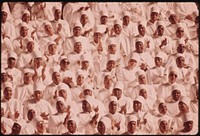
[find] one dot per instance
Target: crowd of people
(99, 68)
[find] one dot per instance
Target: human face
(62, 93)
(11, 62)
(40, 127)
(112, 49)
(126, 20)
(77, 31)
(117, 92)
(172, 77)
(86, 106)
(163, 126)
(4, 16)
(80, 80)
(48, 29)
(183, 107)
(84, 19)
(78, 47)
(158, 61)
(154, 17)
(87, 92)
(4, 77)
(173, 19)
(16, 128)
(117, 29)
(23, 31)
(101, 127)
(97, 37)
(176, 94)
(143, 93)
(27, 78)
(188, 125)
(137, 106)
(110, 65)
(38, 95)
(31, 114)
(60, 107)
(30, 46)
(64, 64)
(132, 63)
(139, 47)
(52, 49)
(85, 64)
(162, 108)
(26, 18)
(56, 78)
(142, 30)
(132, 126)
(108, 81)
(38, 62)
(8, 93)
(160, 30)
(179, 32)
(57, 14)
(142, 79)
(71, 126)
(112, 107)
(181, 48)
(180, 62)
(104, 20)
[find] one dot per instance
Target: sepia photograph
(99, 68)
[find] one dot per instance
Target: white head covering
(161, 55)
(22, 123)
(28, 70)
(142, 86)
(155, 9)
(143, 23)
(37, 54)
(25, 12)
(180, 41)
(163, 119)
(23, 24)
(12, 55)
(140, 72)
(173, 68)
(118, 21)
(5, 8)
(38, 87)
(139, 40)
(113, 98)
(85, 57)
(104, 13)
(131, 118)
(177, 87)
(77, 24)
(119, 85)
(7, 84)
(112, 57)
(99, 29)
(112, 41)
(36, 119)
(169, 13)
(179, 55)
(80, 72)
(61, 99)
(46, 23)
(160, 22)
(74, 118)
(62, 57)
(76, 40)
(188, 117)
(51, 42)
(63, 86)
(54, 69)
(55, 8)
(158, 102)
(140, 99)
(27, 40)
(185, 100)
(87, 86)
(195, 14)
(106, 121)
(135, 56)
(83, 12)
(90, 100)
(126, 13)
(180, 25)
